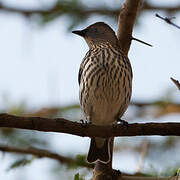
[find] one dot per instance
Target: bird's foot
(110, 175)
(123, 122)
(115, 125)
(84, 123)
(116, 174)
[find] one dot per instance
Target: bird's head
(97, 34)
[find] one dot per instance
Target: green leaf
(76, 177)
(20, 163)
(80, 160)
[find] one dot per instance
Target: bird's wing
(82, 66)
(79, 75)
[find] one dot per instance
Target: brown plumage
(105, 79)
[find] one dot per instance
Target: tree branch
(153, 103)
(168, 20)
(168, 9)
(41, 153)
(126, 22)
(65, 126)
(66, 8)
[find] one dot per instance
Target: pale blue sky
(40, 65)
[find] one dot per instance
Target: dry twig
(168, 20)
(176, 82)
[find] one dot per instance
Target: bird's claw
(84, 123)
(123, 122)
(114, 125)
(116, 173)
(112, 175)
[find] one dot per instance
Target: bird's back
(105, 79)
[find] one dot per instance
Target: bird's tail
(99, 150)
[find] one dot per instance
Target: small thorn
(142, 42)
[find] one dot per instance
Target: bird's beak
(80, 33)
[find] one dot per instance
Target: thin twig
(141, 41)
(168, 20)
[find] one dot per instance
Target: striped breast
(105, 79)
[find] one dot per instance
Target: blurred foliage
(166, 105)
(80, 159)
(78, 177)
(79, 11)
(150, 155)
(71, 8)
(20, 163)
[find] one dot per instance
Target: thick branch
(41, 153)
(126, 22)
(90, 130)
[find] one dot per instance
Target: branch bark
(126, 22)
(65, 126)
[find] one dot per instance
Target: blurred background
(40, 59)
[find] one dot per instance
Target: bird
(105, 84)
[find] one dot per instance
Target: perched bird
(105, 80)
